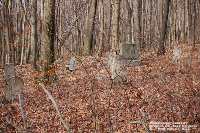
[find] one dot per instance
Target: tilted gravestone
(15, 87)
(71, 66)
(119, 69)
(130, 52)
(9, 71)
(176, 53)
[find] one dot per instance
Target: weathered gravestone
(9, 71)
(176, 53)
(71, 66)
(111, 56)
(119, 69)
(15, 87)
(185, 64)
(130, 52)
(93, 64)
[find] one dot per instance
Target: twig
(93, 102)
(23, 115)
(8, 122)
(55, 105)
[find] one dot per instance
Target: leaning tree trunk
(47, 47)
(89, 29)
(161, 49)
(33, 34)
(115, 26)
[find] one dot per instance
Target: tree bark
(115, 26)
(130, 14)
(48, 33)
(89, 29)
(137, 22)
(193, 22)
(161, 49)
(33, 34)
(101, 27)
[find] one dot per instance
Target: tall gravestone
(71, 66)
(15, 87)
(131, 52)
(185, 64)
(111, 56)
(119, 69)
(9, 71)
(176, 53)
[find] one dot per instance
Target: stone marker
(119, 69)
(176, 53)
(111, 56)
(130, 52)
(185, 64)
(15, 86)
(9, 71)
(93, 64)
(71, 66)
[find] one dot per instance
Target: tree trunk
(193, 23)
(48, 33)
(89, 29)
(137, 22)
(101, 27)
(33, 34)
(161, 49)
(130, 12)
(115, 26)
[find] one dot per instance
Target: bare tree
(161, 49)
(33, 34)
(48, 33)
(115, 26)
(89, 29)
(101, 15)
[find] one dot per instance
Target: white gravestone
(71, 66)
(111, 56)
(176, 53)
(119, 69)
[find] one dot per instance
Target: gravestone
(130, 52)
(15, 86)
(119, 69)
(185, 64)
(93, 64)
(111, 56)
(71, 66)
(176, 53)
(9, 71)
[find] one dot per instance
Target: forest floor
(177, 100)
